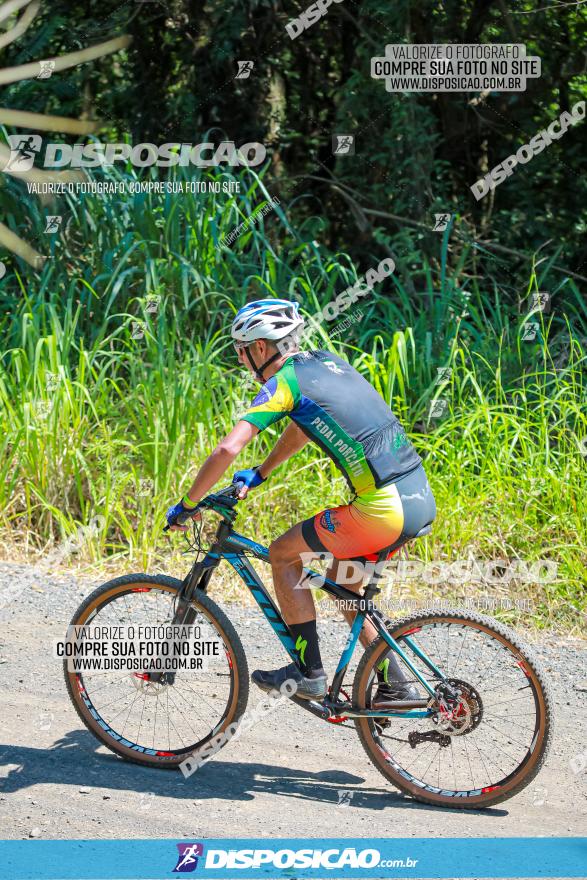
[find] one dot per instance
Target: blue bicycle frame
(237, 549)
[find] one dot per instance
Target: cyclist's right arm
(220, 459)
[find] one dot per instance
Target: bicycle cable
(195, 543)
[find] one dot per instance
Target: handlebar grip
(181, 519)
(232, 490)
(184, 517)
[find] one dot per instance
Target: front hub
(151, 683)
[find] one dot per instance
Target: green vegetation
(94, 422)
(415, 154)
(107, 407)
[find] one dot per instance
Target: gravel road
(291, 775)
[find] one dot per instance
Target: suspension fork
(185, 614)
(198, 578)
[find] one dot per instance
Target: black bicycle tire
(239, 701)
(374, 752)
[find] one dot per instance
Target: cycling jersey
(340, 411)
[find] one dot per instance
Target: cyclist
(331, 404)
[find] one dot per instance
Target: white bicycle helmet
(266, 319)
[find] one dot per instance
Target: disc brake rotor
(457, 708)
(142, 682)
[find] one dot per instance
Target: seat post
(372, 587)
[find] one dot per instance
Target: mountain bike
(478, 735)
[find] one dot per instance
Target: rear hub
(457, 708)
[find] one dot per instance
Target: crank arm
(312, 706)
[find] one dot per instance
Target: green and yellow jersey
(340, 411)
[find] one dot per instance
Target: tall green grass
(96, 422)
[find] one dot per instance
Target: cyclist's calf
(353, 581)
(285, 557)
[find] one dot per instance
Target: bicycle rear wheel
(159, 723)
(478, 749)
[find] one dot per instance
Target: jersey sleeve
(275, 400)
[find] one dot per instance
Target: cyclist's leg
(351, 575)
(370, 523)
(390, 667)
(297, 606)
(348, 531)
(286, 555)
(353, 530)
(286, 558)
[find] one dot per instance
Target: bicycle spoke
(162, 715)
(477, 664)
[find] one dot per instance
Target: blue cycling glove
(174, 512)
(250, 477)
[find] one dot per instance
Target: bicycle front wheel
(159, 723)
(483, 744)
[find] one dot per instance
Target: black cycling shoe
(388, 692)
(306, 688)
(393, 692)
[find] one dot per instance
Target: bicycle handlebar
(231, 491)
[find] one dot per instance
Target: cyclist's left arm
(291, 441)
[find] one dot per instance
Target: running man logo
(443, 374)
(333, 368)
(343, 144)
(244, 69)
(438, 408)
(138, 330)
(187, 860)
(152, 303)
(541, 301)
(47, 68)
(441, 222)
(530, 331)
(53, 222)
(23, 149)
(540, 795)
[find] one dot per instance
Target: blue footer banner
(293, 858)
